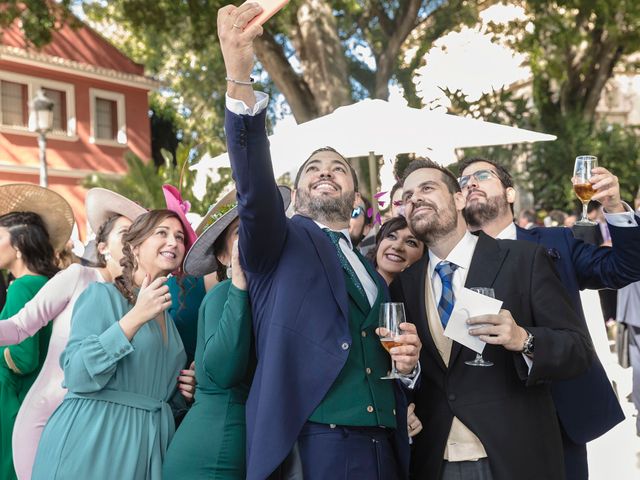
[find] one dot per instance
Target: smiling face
(431, 209)
(398, 250)
(163, 251)
(487, 199)
(326, 190)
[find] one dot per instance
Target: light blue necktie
(445, 307)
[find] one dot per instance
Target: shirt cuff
(240, 108)
(409, 380)
(114, 342)
(624, 219)
(529, 361)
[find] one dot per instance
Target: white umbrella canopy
(382, 128)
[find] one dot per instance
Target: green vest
(359, 397)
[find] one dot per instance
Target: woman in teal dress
(121, 363)
(210, 442)
(33, 219)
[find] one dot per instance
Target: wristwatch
(528, 346)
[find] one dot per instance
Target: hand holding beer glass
(582, 186)
(391, 316)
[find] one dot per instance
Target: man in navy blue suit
(317, 405)
(587, 406)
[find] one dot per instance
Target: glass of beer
(581, 184)
(391, 316)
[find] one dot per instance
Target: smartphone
(269, 9)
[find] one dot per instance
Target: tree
(143, 181)
(574, 47)
(38, 18)
(319, 54)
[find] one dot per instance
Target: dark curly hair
(141, 229)
(29, 236)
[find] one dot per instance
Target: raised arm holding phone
(318, 406)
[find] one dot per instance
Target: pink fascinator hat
(181, 208)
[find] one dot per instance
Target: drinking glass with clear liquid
(391, 316)
(583, 188)
(479, 361)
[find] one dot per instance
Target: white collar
(344, 231)
(509, 233)
(461, 254)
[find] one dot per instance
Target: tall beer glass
(581, 184)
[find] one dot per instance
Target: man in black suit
(587, 406)
(495, 422)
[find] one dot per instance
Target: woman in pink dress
(110, 216)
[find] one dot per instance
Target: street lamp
(42, 122)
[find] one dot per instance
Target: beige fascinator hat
(102, 204)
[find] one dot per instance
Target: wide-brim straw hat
(200, 259)
(55, 211)
(102, 204)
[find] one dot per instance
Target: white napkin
(469, 304)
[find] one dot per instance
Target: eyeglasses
(480, 176)
(356, 212)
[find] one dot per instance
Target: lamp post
(42, 122)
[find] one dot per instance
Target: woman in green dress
(32, 219)
(121, 363)
(210, 442)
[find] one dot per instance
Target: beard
(478, 214)
(325, 209)
(430, 226)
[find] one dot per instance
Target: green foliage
(143, 181)
(38, 18)
(573, 47)
(551, 166)
(177, 42)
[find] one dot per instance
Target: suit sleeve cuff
(409, 380)
(624, 219)
(240, 108)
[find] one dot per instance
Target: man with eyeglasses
(587, 406)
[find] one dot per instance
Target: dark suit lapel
(361, 301)
(329, 260)
(486, 262)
